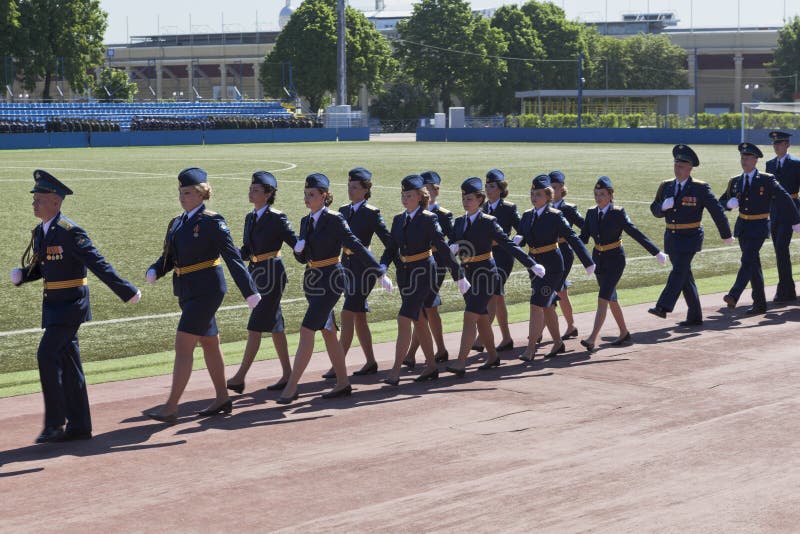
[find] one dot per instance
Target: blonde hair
(204, 189)
(424, 198)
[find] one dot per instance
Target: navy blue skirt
(608, 272)
(360, 283)
(270, 279)
(505, 264)
(434, 300)
(544, 290)
(484, 281)
(417, 284)
(569, 259)
(323, 288)
(197, 315)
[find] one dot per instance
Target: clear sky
(146, 17)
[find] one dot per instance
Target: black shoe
(490, 365)
(572, 333)
(477, 348)
(75, 434)
(50, 435)
(458, 372)
(226, 407)
(330, 374)
(783, 299)
(276, 386)
(343, 392)
(433, 375)
(368, 370)
(441, 357)
(288, 400)
(505, 346)
(622, 340)
(589, 346)
(694, 322)
(410, 362)
(170, 419)
(391, 381)
(730, 301)
(526, 358)
(658, 311)
(756, 310)
(555, 352)
(238, 388)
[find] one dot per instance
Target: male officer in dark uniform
(681, 202)
(755, 194)
(786, 168)
(61, 252)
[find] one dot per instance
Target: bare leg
(212, 353)
(181, 370)
(401, 345)
(250, 352)
(364, 338)
(411, 353)
(425, 343)
(484, 326)
(535, 327)
(305, 347)
(616, 312)
(468, 330)
(336, 354)
(435, 325)
(599, 319)
(551, 321)
(502, 319)
(566, 310)
(346, 339)
(282, 349)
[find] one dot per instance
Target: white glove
(386, 284)
(253, 300)
(517, 239)
(151, 276)
(463, 285)
(301, 244)
(728, 241)
(590, 269)
(539, 270)
(796, 227)
(16, 276)
(667, 204)
(733, 204)
(454, 249)
(662, 258)
(136, 298)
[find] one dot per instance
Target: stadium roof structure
(603, 93)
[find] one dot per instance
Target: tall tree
(786, 63)
(642, 61)
(9, 25)
(308, 42)
(114, 85)
(60, 38)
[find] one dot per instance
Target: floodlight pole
(580, 87)
(341, 59)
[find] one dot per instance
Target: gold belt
(683, 226)
(793, 195)
(756, 217)
(610, 246)
(66, 284)
(348, 252)
(323, 263)
(562, 240)
(265, 256)
(480, 257)
(416, 257)
(542, 250)
(197, 267)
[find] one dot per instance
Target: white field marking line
(289, 166)
(138, 318)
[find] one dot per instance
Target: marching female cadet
(192, 247)
(265, 231)
(365, 221)
(414, 233)
(575, 219)
(542, 228)
(474, 234)
(432, 182)
(605, 224)
(323, 233)
(507, 217)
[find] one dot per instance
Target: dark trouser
(750, 271)
(680, 281)
(62, 378)
(781, 237)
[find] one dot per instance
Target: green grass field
(125, 197)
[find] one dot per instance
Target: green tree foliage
(8, 26)
(309, 42)
(786, 63)
(114, 85)
(642, 61)
(403, 100)
(446, 48)
(59, 38)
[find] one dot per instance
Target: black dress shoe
(441, 357)
(694, 322)
(555, 352)
(410, 362)
(329, 374)
(505, 346)
(569, 335)
(288, 400)
(622, 340)
(391, 381)
(170, 419)
(238, 388)
(343, 392)
(276, 386)
(527, 357)
(226, 407)
(730, 301)
(76, 434)
(756, 310)
(658, 312)
(477, 348)
(50, 435)
(589, 346)
(433, 375)
(490, 365)
(368, 370)
(458, 372)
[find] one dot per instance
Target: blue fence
(589, 135)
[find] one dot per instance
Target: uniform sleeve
(32, 272)
(446, 224)
(229, 253)
(522, 231)
(655, 207)
(638, 235)
(727, 195)
(784, 202)
(287, 233)
(565, 231)
(349, 240)
(81, 247)
(574, 217)
(584, 235)
(381, 231)
(390, 251)
(437, 240)
(717, 213)
(301, 257)
(245, 251)
(515, 218)
(164, 263)
(501, 238)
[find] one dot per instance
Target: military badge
(196, 230)
(224, 227)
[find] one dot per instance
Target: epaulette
(618, 208)
(573, 206)
(490, 217)
(276, 212)
(370, 207)
(527, 211)
(698, 182)
(65, 224)
(334, 213)
(210, 213)
(507, 203)
(427, 212)
(444, 210)
(551, 209)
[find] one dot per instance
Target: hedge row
(724, 121)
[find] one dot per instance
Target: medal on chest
(196, 230)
